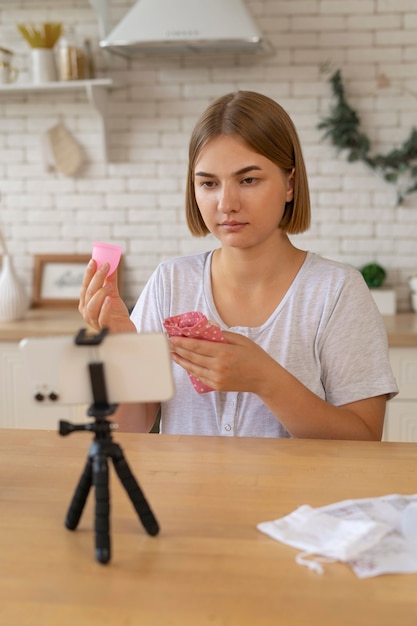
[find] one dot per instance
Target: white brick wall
(136, 199)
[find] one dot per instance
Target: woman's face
(240, 193)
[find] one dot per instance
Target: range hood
(183, 26)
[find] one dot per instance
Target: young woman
(305, 351)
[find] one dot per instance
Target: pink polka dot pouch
(196, 325)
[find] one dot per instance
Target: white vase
(412, 283)
(14, 301)
(44, 68)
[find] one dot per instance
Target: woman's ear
(290, 185)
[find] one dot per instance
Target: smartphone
(137, 368)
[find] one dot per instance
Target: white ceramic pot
(44, 68)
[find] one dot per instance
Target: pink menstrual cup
(107, 253)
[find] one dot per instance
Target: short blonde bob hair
(268, 130)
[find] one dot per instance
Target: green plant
(342, 127)
(373, 274)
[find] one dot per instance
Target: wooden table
(209, 566)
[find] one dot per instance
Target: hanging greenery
(342, 126)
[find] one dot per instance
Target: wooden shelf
(96, 91)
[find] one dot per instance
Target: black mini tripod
(96, 471)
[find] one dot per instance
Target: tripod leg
(80, 497)
(134, 491)
(102, 513)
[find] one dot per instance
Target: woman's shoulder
(328, 279)
(324, 266)
(186, 263)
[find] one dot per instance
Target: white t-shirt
(326, 331)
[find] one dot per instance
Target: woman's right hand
(100, 302)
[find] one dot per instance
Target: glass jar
(72, 59)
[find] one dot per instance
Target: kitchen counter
(17, 412)
(401, 328)
(41, 323)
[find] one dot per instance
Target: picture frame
(57, 279)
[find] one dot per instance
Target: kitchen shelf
(96, 90)
(59, 85)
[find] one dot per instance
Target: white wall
(137, 198)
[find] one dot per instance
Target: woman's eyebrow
(244, 170)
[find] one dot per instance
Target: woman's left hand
(239, 364)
